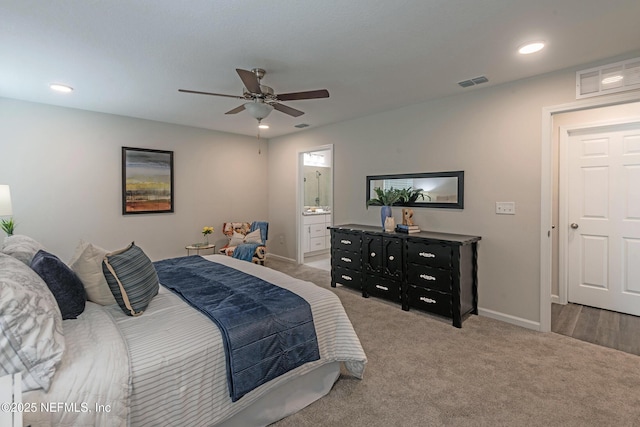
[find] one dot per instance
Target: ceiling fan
(262, 99)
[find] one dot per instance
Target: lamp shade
(5, 201)
(259, 110)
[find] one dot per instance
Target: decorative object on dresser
(385, 198)
(431, 271)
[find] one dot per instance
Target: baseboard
(281, 258)
(518, 321)
(555, 299)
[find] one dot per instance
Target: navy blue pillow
(64, 284)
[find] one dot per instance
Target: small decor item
(385, 198)
(147, 181)
(8, 226)
(389, 224)
(407, 216)
(205, 233)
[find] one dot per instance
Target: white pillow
(21, 247)
(31, 341)
(253, 237)
(236, 239)
(86, 262)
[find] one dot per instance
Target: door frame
(546, 190)
(300, 194)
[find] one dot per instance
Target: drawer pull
(345, 242)
(345, 259)
(373, 254)
(427, 277)
(427, 255)
(428, 300)
(345, 277)
(384, 288)
(391, 258)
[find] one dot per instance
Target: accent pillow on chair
(132, 279)
(253, 235)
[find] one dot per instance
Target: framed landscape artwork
(147, 181)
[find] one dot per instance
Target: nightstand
(199, 247)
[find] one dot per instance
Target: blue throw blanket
(267, 330)
(245, 251)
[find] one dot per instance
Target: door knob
(574, 225)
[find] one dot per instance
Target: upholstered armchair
(246, 241)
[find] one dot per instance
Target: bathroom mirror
(440, 189)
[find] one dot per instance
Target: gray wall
(493, 134)
(64, 169)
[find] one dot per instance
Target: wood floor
(602, 327)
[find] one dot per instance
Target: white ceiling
(130, 57)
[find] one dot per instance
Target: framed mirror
(438, 189)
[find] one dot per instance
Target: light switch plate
(506, 208)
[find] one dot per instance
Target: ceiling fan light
(258, 110)
(263, 126)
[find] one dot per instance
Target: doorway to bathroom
(315, 206)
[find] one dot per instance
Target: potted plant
(8, 225)
(385, 198)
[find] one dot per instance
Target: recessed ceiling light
(60, 87)
(532, 47)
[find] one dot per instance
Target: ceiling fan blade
(287, 110)
(250, 80)
(210, 93)
(311, 94)
(236, 110)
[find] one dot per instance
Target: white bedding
(91, 386)
(177, 358)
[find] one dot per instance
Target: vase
(385, 212)
(205, 241)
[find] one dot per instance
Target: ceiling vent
(301, 126)
(611, 78)
(474, 81)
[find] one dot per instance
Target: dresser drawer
(346, 241)
(346, 259)
(430, 254)
(429, 300)
(429, 277)
(346, 277)
(383, 288)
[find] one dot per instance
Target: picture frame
(147, 181)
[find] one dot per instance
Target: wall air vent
(301, 126)
(474, 81)
(611, 78)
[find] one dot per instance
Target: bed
(167, 366)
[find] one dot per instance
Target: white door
(603, 229)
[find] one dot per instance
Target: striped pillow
(132, 279)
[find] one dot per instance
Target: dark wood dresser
(435, 272)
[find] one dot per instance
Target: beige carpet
(421, 371)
